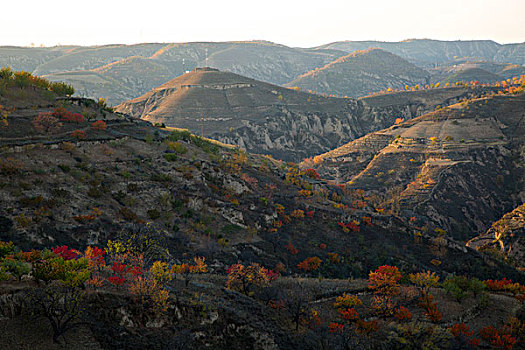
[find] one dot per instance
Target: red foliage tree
(99, 125)
(65, 252)
(79, 134)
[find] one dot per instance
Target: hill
(133, 236)
(123, 66)
(428, 53)
(458, 168)
(122, 79)
(482, 71)
(117, 81)
(270, 119)
(361, 73)
(473, 74)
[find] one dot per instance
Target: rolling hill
(361, 73)
(261, 60)
(428, 53)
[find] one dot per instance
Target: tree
(310, 264)
(45, 122)
(62, 89)
(297, 305)
(62, 306)
(384, 280)
(424, 281)
(243, 278)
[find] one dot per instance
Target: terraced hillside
(460, 168)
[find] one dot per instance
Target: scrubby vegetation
(135, 236)
(24, 80)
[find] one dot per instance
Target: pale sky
(289, 22)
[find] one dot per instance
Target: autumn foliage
(67, 116)
(244, 278)
(385, 280)
(310, 264)
(45, 122)
(99, 125)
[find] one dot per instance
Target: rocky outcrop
(506, 236)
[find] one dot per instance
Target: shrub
(6, 248)
(402, 314)
(78, 134)
(347, 301)
(504, 285)
(171, 157)
(16, 268)
(291, 249)
(460, 287)
(99, 125)
(312, 173)
(186, 270)
(310, 264)
(65, 252)
(10, 166)
(153, 214)
(6, 73)
(177, 147)
(461, 329)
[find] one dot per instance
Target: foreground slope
(110, 177)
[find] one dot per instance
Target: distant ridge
(361, 73)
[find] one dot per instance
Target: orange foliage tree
(243, 278)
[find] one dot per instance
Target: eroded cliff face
(293, 135)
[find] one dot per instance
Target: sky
(303, 23)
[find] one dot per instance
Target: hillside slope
(459, 168)
(269, 119)
(506, 236)
(155, 202)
